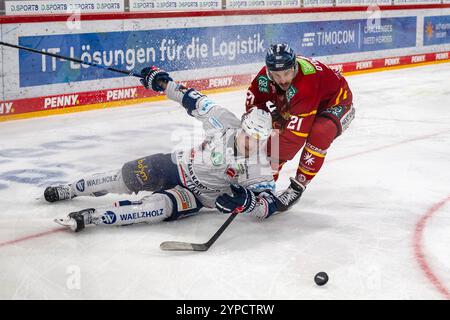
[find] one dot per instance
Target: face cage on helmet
(254, 136)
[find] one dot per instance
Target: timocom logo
(391, 61)
(6, 107)
(120, 94)
(415, 59)
(364, 65)
(61, 101)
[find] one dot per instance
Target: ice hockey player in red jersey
(311, 105)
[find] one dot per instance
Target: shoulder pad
(306, 66)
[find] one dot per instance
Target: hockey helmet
(280, 57)
(257, 123)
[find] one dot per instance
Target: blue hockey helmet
(280, 57)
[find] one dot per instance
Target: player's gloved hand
(278, 122)
(243, 200)
(153, 77)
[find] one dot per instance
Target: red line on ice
(389, 145)
(33, 236)
(419, 250)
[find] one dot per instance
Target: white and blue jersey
(209, 169)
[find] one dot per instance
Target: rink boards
(208, 50)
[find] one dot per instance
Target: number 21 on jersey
(295, 123)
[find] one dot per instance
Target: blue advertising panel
(205, 47)
(437, 30)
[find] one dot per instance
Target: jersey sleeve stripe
(304, 115)
(339, 96)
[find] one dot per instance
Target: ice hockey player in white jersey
(229, 170)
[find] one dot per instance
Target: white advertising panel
(260, 4)
(318, 3)
(341, 3)
(157, 5)
(399, 2)
(63, 6)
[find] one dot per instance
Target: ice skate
(291, 195)
(76, 221)
(58, 193)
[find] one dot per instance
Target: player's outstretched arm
(198, 105)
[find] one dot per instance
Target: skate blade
(68, 223)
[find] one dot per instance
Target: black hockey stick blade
(183, 246)
(187, 246)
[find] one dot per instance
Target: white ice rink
(376, 218)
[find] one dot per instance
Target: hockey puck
(321, 278)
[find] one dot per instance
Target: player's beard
(284, 86)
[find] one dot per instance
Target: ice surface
(356, 221)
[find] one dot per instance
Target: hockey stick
(93, 64)
(187, 246)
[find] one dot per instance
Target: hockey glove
(153, 76)
(243, 200)
(278, 122)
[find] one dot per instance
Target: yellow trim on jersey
(303, 135)
(304, 115)
(320, 155)
(306, 172)
(339, 96)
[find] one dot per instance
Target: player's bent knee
(322, 134)
(184, 203)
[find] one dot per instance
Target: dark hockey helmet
(280, 57)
